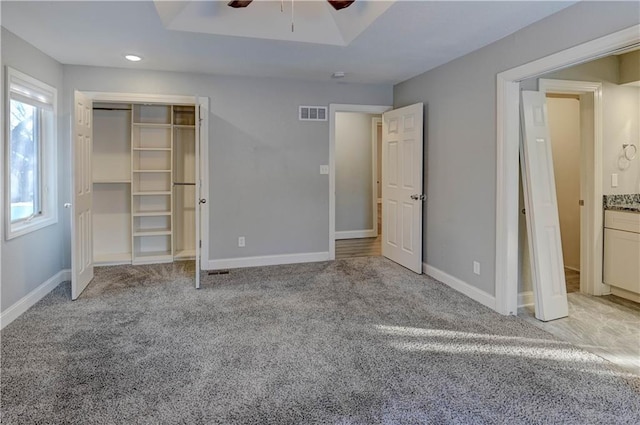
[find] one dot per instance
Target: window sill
(17, 230)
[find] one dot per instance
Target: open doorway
(402, 179)
(588, 124)
(564, 124)
(358, 190)
(354, 179)
(575, 130)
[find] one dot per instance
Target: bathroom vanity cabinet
(622, 253)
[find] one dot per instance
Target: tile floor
(606, 326)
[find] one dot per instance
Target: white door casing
(81, 218)
(199, 195)
(402, 175)
(507, 152)
(543, 226)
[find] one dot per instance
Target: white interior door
(81, 218)
(545, 243)
(402, 197)
(198, 198)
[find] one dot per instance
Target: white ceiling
(315, 21)
(372, 42)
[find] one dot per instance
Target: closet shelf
(151, 213)
(151, 149)
(184, 126)
(152, 232)
(151, 193)
(151, 125)
(151, 171)
(111, 181)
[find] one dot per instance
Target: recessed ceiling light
(338, 74)
(133, 58)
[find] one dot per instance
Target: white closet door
(81, 221)
(543, 225)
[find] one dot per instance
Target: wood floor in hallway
(362, 247)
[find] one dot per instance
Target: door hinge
(200, 243)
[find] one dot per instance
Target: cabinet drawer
(620, 220)
(622, 259)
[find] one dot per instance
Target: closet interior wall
(144, 183)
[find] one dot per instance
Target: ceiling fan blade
(340, 4)
(239, 3)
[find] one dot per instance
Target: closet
(143, 168)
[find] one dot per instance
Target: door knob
(203, 201)
(67, 205)
(417, 197)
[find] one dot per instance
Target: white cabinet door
(402, 176)
(622, 259)
(81, 221)
(545, 243)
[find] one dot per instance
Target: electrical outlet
(324, 169)
(241, 241)
(476, 268)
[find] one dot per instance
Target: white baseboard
(22, 305)
(460, 286)
(267, 260)
(355, 234)
(525, 299)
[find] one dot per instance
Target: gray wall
(460, 133)
(29, 260)
(265, 181)
(354, 171)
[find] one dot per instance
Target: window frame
(23, 88)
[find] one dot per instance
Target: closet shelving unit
(152, 182)
(144, 183)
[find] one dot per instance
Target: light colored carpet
(358, 341)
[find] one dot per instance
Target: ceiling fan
(337, 4)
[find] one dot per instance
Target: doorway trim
(333, 108)
(507, 153)
(591, 233)
(375, 123)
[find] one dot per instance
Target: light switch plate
(324, 169)
(614, 180)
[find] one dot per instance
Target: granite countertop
(635, 208)
(629, 202)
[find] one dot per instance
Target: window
(30, 154)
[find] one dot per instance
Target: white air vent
(312, 113)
